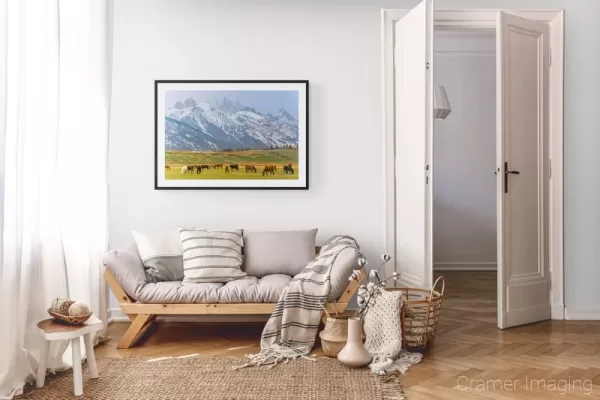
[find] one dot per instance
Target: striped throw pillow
(211, 256)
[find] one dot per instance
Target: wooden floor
(472, 359)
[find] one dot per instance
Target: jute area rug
(212, 378)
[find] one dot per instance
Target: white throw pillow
(161, 255)
(211, 256)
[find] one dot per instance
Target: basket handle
(435, 284)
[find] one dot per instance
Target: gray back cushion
(280, 252)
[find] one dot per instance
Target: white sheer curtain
(54, 113)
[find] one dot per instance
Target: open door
(523, 58)
(413, 65)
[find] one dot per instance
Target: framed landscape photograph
(231, 134)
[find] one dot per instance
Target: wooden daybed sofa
(143, 302)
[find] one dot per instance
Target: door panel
(523, 67)
(413, 55)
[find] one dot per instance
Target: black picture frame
(305, 117)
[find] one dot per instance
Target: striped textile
(211, 256)
(290, 331)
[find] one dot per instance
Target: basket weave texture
(335, 335)
(420, 314)
(70, 319)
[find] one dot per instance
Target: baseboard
(117, 315)
(465, 266)
(557, 311)
(573, 314)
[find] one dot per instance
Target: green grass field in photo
(258, 158)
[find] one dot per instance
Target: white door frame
(486, 19)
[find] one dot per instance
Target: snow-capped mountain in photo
(226, 124)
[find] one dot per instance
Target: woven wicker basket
(70, 319)
(335, 335)
(420, 315)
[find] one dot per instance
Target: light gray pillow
(283, 252)
(161, 255)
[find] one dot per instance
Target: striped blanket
(290, 331)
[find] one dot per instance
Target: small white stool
(53, 330)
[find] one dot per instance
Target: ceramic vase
(354, 354)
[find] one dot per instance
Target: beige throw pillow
(283, 252)
(211, 256)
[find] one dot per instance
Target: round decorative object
(78, 309)
(57, 302)
(335, 335)
(61, 305)
(354, 354)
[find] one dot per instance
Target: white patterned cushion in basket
(211, 256)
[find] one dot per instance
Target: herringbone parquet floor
(472, 359)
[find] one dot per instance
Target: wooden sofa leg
(140, 324)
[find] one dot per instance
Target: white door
(413, 57)
(523, 66)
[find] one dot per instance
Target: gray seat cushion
(246, 290)
(127, 268)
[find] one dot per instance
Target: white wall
(191, 39)
(464, 184)
(336, 45)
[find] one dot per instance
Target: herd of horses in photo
(229, 168)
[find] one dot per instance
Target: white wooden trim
(465, 266)
(557, 311)
(468, 19)
(582, 314)
(465, 53)
(487, 18)
(429, 143)
(500, 205)
(556, 168)
(388, 17)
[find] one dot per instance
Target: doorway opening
(528, 161)
(464, 215)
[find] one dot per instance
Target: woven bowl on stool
(70, 319)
